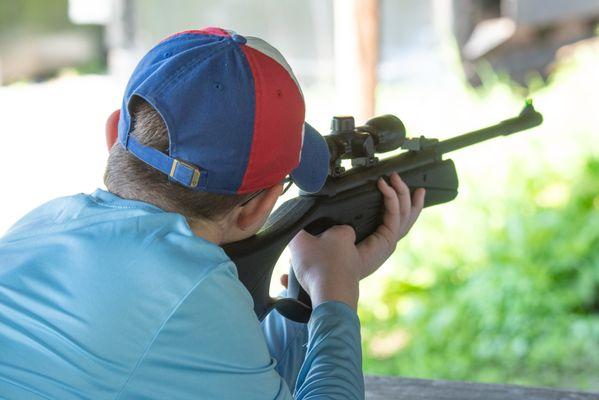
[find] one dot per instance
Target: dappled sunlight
(383, 346)
(554, 195)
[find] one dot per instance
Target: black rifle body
(352, 199)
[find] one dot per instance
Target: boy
(126, 293)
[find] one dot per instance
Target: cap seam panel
(174, 79)
(257, 114)
(184, 68)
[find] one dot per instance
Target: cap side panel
(265, 48)
(149, 72)
(278, 122)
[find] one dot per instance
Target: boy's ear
(112, 128)
(252, 216)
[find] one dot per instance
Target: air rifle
(351, 197)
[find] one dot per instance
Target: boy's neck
(211, 232)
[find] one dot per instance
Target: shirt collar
(110, 199)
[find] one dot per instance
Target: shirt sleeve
(287, 343)
(332, 368)
(212, 346)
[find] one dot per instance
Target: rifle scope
(360, 144)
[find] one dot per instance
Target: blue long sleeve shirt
(106, 298)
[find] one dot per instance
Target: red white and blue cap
(234, 113)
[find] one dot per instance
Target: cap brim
(313, 169)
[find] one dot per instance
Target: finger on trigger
(418, 205)
(405, 201)
(391, 205)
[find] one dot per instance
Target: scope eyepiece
(388, 132)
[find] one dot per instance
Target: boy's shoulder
(110, 273)
(76, 211)
(102, 226)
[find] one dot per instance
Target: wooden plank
(381, 387)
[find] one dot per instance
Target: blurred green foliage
(33, 15)
(526, 310)
(501, 285)
(24, 24)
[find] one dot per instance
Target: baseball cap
(234, 112)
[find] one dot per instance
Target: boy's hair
(130, 178)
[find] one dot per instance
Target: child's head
(209, 118)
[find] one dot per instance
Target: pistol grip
(297, 306)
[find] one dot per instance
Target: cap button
(238, 39)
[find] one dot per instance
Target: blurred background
(500, 285)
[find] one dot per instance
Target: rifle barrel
(528, 118)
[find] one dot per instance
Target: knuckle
(345, 231)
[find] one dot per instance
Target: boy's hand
(329, 266)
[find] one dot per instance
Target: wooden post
(356, 57)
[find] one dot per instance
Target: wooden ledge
(383, 387)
